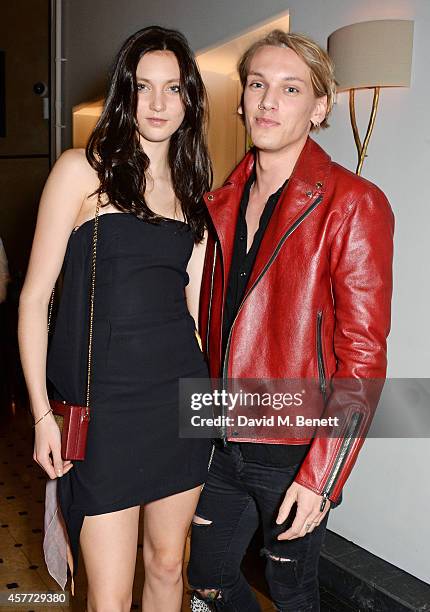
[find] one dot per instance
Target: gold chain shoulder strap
(92, 294)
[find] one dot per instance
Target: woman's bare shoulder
(72, 167)
(75, 160)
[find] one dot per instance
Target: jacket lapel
(306, 185)
(223, 206)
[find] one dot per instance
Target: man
(297, 285)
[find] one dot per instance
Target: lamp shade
(372, 54)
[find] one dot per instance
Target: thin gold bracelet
(42, 417)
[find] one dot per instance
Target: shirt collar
(247, 189)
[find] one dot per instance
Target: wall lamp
(371, 55)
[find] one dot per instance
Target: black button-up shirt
(243, 262)
(241, 267)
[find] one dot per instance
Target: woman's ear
(240, 110)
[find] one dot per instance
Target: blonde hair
(319, 63)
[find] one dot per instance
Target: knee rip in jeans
(199, 521)
(266, 553)
(282, 569)
(206, 595)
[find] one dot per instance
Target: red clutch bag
(73, 423)
(73, 420)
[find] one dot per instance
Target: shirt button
(241, 237)
(243, 274)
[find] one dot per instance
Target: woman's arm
(64, 196)
(195, 272)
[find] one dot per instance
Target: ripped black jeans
(237, 496)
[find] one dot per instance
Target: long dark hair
(114, 149)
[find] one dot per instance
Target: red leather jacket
(317, 303)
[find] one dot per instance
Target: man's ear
(320, 110)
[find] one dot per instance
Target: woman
(147, 162)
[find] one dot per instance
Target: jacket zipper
(209, 463)
(257, 280)
(321, 369)
(210, 300)
(341, 457)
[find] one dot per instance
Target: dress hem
(139, 501)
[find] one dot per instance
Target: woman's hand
(47, 448)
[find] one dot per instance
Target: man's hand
(308, 515)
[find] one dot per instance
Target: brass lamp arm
(362, 148)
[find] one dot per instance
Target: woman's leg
(166, 524)
(109, 545)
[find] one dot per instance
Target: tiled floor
(22, 488)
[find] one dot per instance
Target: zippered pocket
(209, 463)
(320, 357)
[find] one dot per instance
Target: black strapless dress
(144, 341)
